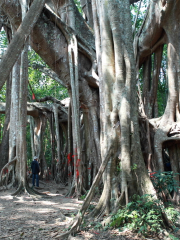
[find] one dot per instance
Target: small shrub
(142, 215)
(98, 226)
(165, 180)
(84, 196)
(91, 207)
(172, 214)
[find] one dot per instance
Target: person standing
(35, 171)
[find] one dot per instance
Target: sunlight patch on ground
(44, 210)
(21, 199)
(52, 194)
(68, 208)
(38, 210)
(59, 220)
(48, 203)
(35, 222)
(7, 197)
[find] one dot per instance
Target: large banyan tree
(112, 120)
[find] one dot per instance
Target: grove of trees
(91, 87)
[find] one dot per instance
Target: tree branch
(17, 43)
(54, 100)
(48, 72)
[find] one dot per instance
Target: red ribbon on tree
(5, 171)
(152, 174)
(69, 158)
(77, 163)
(77, 173)
(33, 96)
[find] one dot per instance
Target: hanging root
(32, 192)
(101, 212)
(5, 171)
(26, 189)
(167, 222)
(19, 190)
(89, 197)
(98, 209)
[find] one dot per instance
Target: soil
(27, 217)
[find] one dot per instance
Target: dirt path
(46, 218)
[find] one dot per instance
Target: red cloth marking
(152, 174)
(5, 171)
(69, 158)
(77, 173)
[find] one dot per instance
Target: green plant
(84, 196)
(173, 237)
(119, 169)
(172, 214)
(142, 215)
(91, 207)
(165, 180)
(134, 167)
(98, 226)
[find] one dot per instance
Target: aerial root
(6, 167)
(80, 215)
(19, 190)
(74, 228)
(168, 223)
(31, 191)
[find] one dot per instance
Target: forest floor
(26, 217)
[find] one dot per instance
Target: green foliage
(3, 47)
(3, 42)
(84, 196)
(91, 207)
(119, 168)
(162, 92)
(172, 214)
(3, 94)
(98, 226)
(42, 84)
(173, 237)
(2, 119)
(142, 215)
(78, 5)
(141, 15)
(165, 180)
(134, 167)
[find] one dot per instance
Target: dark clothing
(35, 176)
(35, 167)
